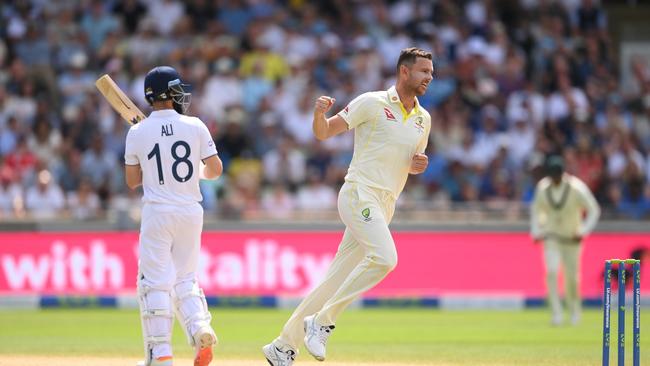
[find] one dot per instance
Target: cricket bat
(118, 100)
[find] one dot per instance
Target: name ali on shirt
(166, 130)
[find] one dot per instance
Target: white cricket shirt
(386, 138)
(169, 147)
(566, 210)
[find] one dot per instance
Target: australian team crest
(366, 214)
(419, 124)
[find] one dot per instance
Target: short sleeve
(130, 154)
(208, 148)
(358, 111)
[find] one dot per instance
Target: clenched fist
(419, 163)
(323, 104)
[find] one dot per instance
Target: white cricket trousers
(567, 254)
(365, 256)
(170, 240)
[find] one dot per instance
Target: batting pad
(191, 308)
(157, 319)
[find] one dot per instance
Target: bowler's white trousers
(365, 256)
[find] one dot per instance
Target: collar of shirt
(163, 113)
(393, 97)
(563, 182)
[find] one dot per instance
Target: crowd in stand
(514, 82)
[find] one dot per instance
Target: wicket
(636, 310)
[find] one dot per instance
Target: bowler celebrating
(164, 154)
(391, 133)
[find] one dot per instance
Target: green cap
(555, 165)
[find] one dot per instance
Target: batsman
(167, 153)
(391, 133)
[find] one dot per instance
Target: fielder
(391, 133)
(561, 201)
(164, 154)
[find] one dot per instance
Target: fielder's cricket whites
(118, 100)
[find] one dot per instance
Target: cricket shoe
(204, 340)
(316, 336)
(159, 361)
(557, 320)
(575, 319)
(277, 357)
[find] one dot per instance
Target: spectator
(222, 90)
(435, 173)
(530, 100)
(22, 105)
(320, 159)
(97, 23)
(169, 10)
(70, 171)
(294, 120)
(202, 12)
(131, 12)
(146, 46)
(630, 196)
(45, 200)
(277, 202)
(467, 153)
(76, 83)
(316, 195)
(114, 139)
(45, 142)
(271, 65)
(84, 203)
(11, 193)
(520, 139)
(621, 154)
(242, 199)
(255, 87)
(588, 17)
(235, 16)
(284, 164)
(270, 134)
(69, 39)
(9, 135)
(97, 163)
(498, 181)
(447, 127)
(588, 164)
(234, 142)
(566, 102)
(34, 50)
(21, 160)
(489, 139)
